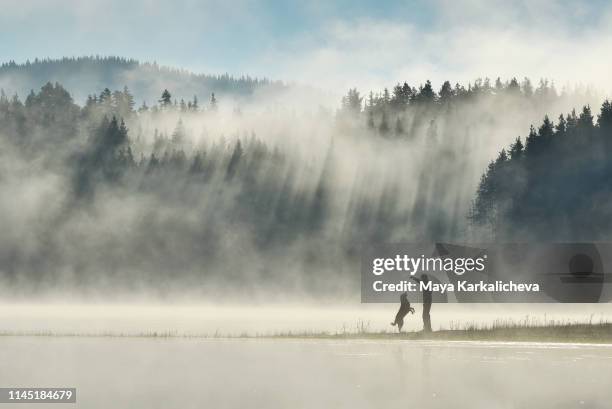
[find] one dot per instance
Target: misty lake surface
(116, 372)
(189, 370)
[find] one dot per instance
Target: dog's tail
(394, 324)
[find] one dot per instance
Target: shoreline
(599, 333)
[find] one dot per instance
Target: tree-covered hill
(82, 75)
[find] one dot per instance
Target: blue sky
(205, 34)
(348, 42)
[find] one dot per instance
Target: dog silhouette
(404, 309)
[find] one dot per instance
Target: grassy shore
(575, 333)
(578, 333)
(527, 330)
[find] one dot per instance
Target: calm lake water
(182, 373)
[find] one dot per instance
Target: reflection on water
(216, 373)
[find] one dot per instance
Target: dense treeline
(390, 113)
(52, 113)
(556, 184)
(96, 145)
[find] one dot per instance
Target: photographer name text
(459, 286)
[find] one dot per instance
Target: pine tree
(546, 130)
(572, 121)
(401, 96)
(105, 99)
(585, 122)
(499, 86)
(386, 99)
(604, 119)
(166, 99)
(31, 99)
(213, 103)
(407, 93)
(396, 99)
(446, 92)
(352, 102)
(513, 87)
(516, 149)
(561, 126)
(426, 93)
(534, 143)
(129, 99)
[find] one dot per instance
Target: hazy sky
(338, 44)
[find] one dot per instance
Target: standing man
(426, 301)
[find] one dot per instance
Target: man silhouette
(426, 301)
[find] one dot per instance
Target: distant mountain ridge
(88, 75)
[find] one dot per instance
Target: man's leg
(426, 317)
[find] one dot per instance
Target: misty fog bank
(249, 317)
(218, 197)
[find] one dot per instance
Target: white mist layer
(148, 319)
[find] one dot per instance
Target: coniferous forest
(196, 190)
(553, 184)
